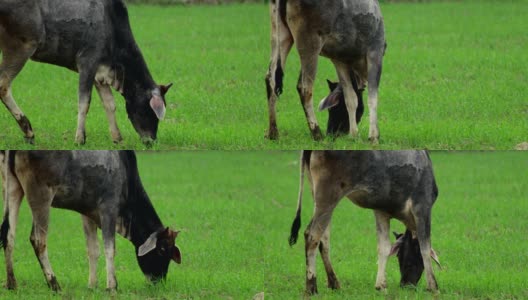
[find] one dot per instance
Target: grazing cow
(395, 184)
(349, 32)
(91, 37)
(338, 122)
(105, 188)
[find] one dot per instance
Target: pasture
(454, 77)
(235, 210)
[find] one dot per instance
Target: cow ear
(176, 255)
(435, 258)
(164, 88)
(158, 106)
(331, 85)
(329, 101)
(149, 244)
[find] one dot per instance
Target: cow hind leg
(109, 104)
(13, 60)
(423, 232)
(86, 81)
(374, 61)
(281, 44)
(324, 249)
(108, 227)
(14, 194)
(92, 245)
(39, 200)
(382, 231)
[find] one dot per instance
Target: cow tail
(5, 224)
(303, 162)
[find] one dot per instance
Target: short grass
(235, 210)
(454, 77)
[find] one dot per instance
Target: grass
(454, 78)
(235, 210)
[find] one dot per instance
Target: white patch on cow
(107, 76)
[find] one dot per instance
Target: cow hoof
(316, 134)
(30, 140)
(11, 284)
(54, 284)
(117, 139)
(272, 134)
(311, 286)
(80, 138)
(374, 140)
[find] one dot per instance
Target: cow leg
(325, 202)
(13, 60)
(109, 104)
(351, 99)
(281, 43)
(108, 227)
(92, 245)
(86, 81)
(384, 246)
(324, 249)
(309, 49)
(374, 62)
(14, 194)
(423, 232)
(39, 199)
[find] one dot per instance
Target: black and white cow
(105, 188)
(91, 37)
(348, 32)
(395, 184)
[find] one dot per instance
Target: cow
(395, 184)
(338, 123)
(105, 188)
(348, 32)
(91, 37)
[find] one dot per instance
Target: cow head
(155, 254)
(146, 113)
(410, 259)
(338, 121)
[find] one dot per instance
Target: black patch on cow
(410, 260)
(282, 10)
(24, 124)
(11, 161)
(279, 75)
(3, 231)
(268, 86)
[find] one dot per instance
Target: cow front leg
(39, 199)
(374, 61)
(281, 43)
(109, 104)
(13, 60)
(324, 249)
(384, 246)
(86, 80)
(351, 99)
(108, 227)
(92, 245)
(423, 232)
(305, 88)
(13, 195)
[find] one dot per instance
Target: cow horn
(149, 244)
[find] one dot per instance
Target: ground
(454, 77)
(235, 211)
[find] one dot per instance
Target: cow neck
(127, 56)
(143, 219)
(137, 80)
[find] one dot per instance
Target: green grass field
(235, 210)
(454, 78)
